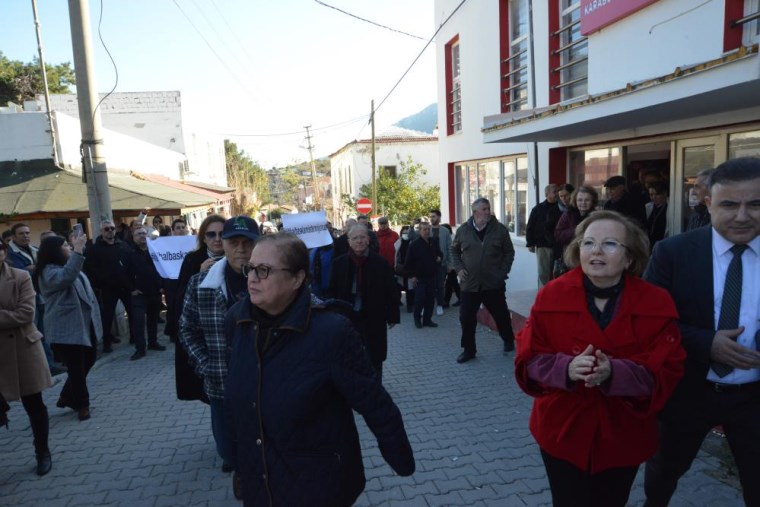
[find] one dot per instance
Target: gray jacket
(70, 304)
(444, 243)
(487, 262)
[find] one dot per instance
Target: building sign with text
(596, 14)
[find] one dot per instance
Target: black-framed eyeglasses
(212, 235)
(609, 246)
(109, 229)
(262, 270)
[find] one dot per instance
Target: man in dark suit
(712, 274)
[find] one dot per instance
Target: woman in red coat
(601, 354)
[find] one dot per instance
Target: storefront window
(594, 167)
(744, 144)
(503, 182)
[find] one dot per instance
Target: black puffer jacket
(289, 399)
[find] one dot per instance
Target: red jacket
(592, 431)
(387, 238)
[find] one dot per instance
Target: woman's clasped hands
(590, 367)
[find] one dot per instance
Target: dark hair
(293, 251)
(435, 211)
(586, 189)
(50, 252)
(164, 230)
(567, 187)
(448, 227)
(204, 226)
(660, 187)
(17, 227)
(636, 241)
(481, 200)
(735, 170)
(178, 221)
(157, 217)
(7, 234)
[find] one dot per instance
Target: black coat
(536, 234)
(630, 206)
(291, 389)
(380, 299)
(189, 385)
(142, 273)
(105, 265)
(423, 258)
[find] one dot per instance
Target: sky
(247, 69)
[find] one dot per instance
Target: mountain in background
(424, 121)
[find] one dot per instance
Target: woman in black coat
(297, 373)
(365, 281)
(209, 250)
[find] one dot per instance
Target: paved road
(467, 424)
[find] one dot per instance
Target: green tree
(247, 178)
(406, 196)
(21, 81)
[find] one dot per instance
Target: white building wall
(351, 167)
(25, 136)
(122, 153)
(653, 42)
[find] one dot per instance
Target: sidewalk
(468, 425)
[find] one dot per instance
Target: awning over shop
(713, 93)
(38, 189)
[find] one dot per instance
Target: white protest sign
(168, 252)
(310, 227)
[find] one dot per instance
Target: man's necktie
(731, 303)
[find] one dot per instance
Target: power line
(234, 34)
(232, 73)
(368, 21)
(218, 34)
(300, 132)
(419, 55)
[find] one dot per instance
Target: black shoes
(465, 356)
(226, 468)
(115, 340)
(418, 323)
(107, 349)
(237, 486)
(457, 303)
(62, 402)
(156, 346)
(508, 347)
(44, 463)
(83, 413)
(430, 324)
(137, 355)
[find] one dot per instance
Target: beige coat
(23, 367)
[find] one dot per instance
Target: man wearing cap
(208, 296)
(620, 200)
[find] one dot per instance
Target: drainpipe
(531, 51)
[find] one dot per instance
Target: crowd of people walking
(638, 343)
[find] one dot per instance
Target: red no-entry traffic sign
(363, 205)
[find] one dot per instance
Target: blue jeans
(225, 445)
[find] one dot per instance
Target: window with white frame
(573, 52)
(516, 65)
(751, 34)
(504, 182)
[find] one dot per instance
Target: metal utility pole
(313, 169)
(94, 171)
(374, 182)
(45, 81)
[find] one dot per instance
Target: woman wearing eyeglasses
(297, 370)
(209, 250)
(583, 202)
(601, 354)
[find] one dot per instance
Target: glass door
(691, 157)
